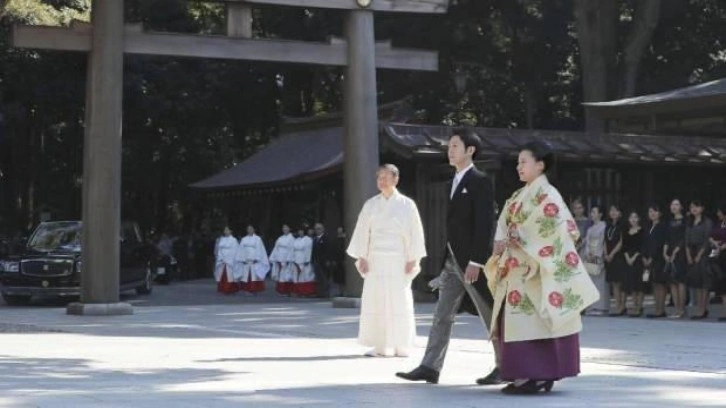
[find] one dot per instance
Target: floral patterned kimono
(539, 285)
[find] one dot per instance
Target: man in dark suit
(323, 259)
(469, 224)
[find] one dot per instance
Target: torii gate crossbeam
(107, 39)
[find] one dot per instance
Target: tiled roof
(570, 146)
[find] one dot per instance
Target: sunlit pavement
(186, 346)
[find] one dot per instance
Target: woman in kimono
(583, 223)
(225, 250)
(653, 262)
(539, 283)
(252, 262)
(281, 261)
(303, 274)
(674, 253)
(594, 254)
(698, 247)
(388, 244)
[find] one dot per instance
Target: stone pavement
(186, 346)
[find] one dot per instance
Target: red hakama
(225, 286)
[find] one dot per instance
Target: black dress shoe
(531, 387)
(700, 317)
(656, 316)
(492, 379)
(421, 373)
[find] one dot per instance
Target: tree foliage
(519, 63)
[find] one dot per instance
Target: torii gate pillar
(102, 164)
(360, 144)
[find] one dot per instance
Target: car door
(133, 259)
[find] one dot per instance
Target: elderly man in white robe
(388, 244)
(252, 263)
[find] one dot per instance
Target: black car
(50, 263)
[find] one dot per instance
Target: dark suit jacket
(469, 227)
(323, 250)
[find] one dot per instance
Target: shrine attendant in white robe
(388, 244)
(225, 251)
(303, 267)
(252, 264)
(281, 261)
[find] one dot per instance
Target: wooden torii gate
(106, 40)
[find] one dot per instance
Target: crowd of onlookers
(680, 252)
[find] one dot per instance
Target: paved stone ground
(186, 346)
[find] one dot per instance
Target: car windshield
(56, 236)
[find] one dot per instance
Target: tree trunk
(647, 13)
(596, 23)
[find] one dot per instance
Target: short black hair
(470, 139)
(656, 207)
(541, 151)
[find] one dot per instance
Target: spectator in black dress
(614, 259)
(675, 258)
(653, 262)
(698, 247)
(632, 248)
(717, 256)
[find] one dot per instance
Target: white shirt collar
(393, 195)
(460, 174)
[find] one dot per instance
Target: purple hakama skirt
(541, 360)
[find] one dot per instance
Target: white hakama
(281, 261)
(388, 234)
(303, 268)
(252, 264)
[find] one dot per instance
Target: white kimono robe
(225, 251)
(302, 254)
(281, 259)
(251, 260)
(388, 234)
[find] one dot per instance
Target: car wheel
(148, 285)
(16, 300)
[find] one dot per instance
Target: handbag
(593, 269)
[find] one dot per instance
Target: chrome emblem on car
(45, 267)
(45, 284)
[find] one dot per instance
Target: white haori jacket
(281, 259)
(251, 260)
(225, 250)
(302, 254)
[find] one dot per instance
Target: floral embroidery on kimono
(539, 280)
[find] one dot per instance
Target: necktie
(454, 185)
